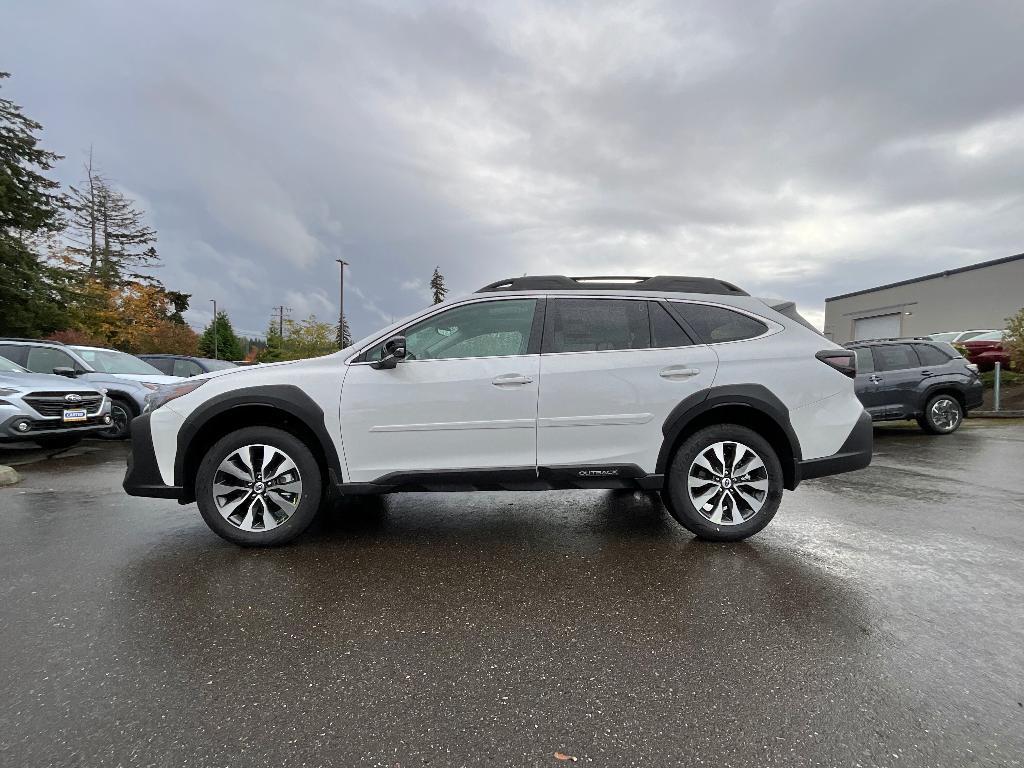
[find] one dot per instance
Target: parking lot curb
(8, 476)
(997, 414)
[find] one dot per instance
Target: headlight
(8, 391)
(167, 392)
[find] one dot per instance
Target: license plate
(76, 414)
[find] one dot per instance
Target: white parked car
(956, 337)
(687, 386)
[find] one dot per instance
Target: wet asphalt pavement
(879, 620)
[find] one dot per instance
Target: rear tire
(942, 415)
(724, 483)
(259, 487)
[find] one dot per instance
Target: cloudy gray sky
(799, 149)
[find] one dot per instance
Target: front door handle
(926, 373)
(511, 379)
(678, 372)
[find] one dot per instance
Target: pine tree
(108, 232)
(342, 334)
(437, 286)
(228, 346)
(32, 296)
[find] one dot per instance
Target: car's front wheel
(724, 483)
(942, 415)
(259, 487)
(121, 415)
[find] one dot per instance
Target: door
(878, 327)
(897, 374)
(465, 397)
(867, 384)
(612, 369)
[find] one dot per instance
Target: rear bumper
(143, 475)
(854, 454)
(974, 395)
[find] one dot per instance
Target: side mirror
(391, 353)
(71, 373)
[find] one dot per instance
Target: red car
(986, 350)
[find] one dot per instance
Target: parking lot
(877, 621)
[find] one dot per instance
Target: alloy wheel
(257, 487)
(728, 483)
(945, 414)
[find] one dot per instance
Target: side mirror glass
(391, 353)
(64, 371)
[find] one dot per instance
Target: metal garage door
(878, 327)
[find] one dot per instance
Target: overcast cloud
(799, 149)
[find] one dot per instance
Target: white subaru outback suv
(687, 386)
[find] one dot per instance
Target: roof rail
(667, 283)
(35, 341)
(894, 338)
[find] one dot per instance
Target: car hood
(153, 378)
(45, 381)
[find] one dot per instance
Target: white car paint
(574, 408)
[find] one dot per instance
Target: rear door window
(186, 368)
(15, 353)
(931, 355)
(714, 325)
(894, 357)
(596, 325)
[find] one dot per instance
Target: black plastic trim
(143, 475)
(665, 283)
(753, 396)
(854, 454)
(287, 398)
(533, 347)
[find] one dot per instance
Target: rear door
(612, 369)
(897, 374)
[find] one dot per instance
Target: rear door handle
(678, 372)
(511, 379)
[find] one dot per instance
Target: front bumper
(143, 475)
(51, 427)
(854, 454)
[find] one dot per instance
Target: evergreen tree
(108, 232)
(32, 296)
(273, 350)
(437, 286)
(342, 334)
(228, 346)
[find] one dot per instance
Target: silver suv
(47, 409)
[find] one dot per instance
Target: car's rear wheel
(942, 415)
(259, 487)
(724, 483)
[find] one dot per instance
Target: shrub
(1014, 340)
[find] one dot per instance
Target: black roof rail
(35, 341)
(667, 283)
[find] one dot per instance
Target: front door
(611, 372)
(897, 374)
(464, 398)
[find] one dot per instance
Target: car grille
(53, 403)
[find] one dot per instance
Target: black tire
(58, 442)
(942, 415)
(676, 494)
(282, 532)
(122, 412)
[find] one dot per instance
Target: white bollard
(995, 385)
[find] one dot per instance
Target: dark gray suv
(916, 379)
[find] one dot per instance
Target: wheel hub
(257, 487)
(728, 483)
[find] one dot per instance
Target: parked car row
(120, 381)
(984, 348)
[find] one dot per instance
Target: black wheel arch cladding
(755, 397)
(287, 399)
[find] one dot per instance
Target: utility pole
(214, 326)
(280, 319)
(341, 299)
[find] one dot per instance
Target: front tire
(724, 483)
(259, 487)
(121, 414)
(942, 415)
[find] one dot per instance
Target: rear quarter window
(714, 325)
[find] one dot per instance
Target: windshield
(994, 336)
(112, 361)
(6, 366)
(217, 365)
(948, 336)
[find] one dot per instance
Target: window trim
(771, 327)
(536, 330)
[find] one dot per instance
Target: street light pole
(341, 301)
(214, 327)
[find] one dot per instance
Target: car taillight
(842, 360)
